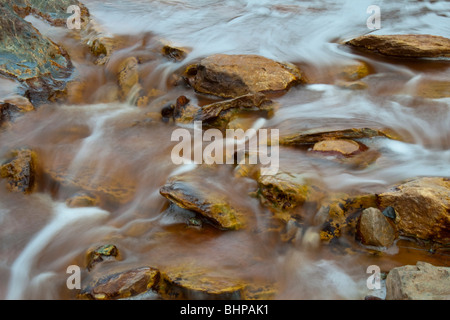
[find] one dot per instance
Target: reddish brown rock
(20, 171)
(374, 229)
(404, 45)
(422, 207)
(420, 282)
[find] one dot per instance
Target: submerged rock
(284, 192)
(374, 229)
(231, 76)
(54, 11)
(20, 171)
(420, 282)
(422, 208)
(404, 45)
(192, 193)
(102, 253)
(121, 285)
(83, 199)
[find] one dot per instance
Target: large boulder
(29, 57)
(404, 45)
(231, 76)
(420, 282)
(196, 192)
(422, 208)
(375, 229)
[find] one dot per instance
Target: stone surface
(128, 78)
(313, 136)
(420, 282)
(102, 253)
(195, 283)
(20, 171)
(121, 285)
(422, 207)
(404, 45)
(284, 192)
(191, 192)
(340, 146)
(231, 76)
(374, 229)
(83, 199)
(29, 57)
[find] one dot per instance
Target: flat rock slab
(405, 45)
(193, 192)
(420, 282)
(231, 76)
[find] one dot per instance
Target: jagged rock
(374, 229)
(174, 53)
(83, 199)
(29, 57)
(20, 171)
(404, 45)
(102, 253)
(191, 192)
(231, 76)
(121, 285)
(420, 282)
(339, 146)
(284, 192)
(422, 208)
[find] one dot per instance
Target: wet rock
(54, 11)
(201, 284)
(106, 252)
(31, 58)
(83, 199)
(231, 76)
(174, 53)
(192, 193)
(13, 107)
(316, 135)
(374, 229)
(420, 282)
(405, 45)
(183, 111)
(339, 146)
(344, 74)
(111, 188)
(121, 285)
(128, 78)
(219, 114)
(422, 208)
(20, 171)
(339, 214)
(284, 192)
(390, 213)
(433, 89)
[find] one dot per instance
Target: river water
(97, 139)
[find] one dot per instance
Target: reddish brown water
(108, 144)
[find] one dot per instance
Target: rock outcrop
(231, 76)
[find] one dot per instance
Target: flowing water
(108, 143)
